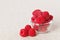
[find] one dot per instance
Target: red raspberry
(40, 20)
(33, 19)
(45, 14)
(50, 17)
(27, 27)
(37, 12)
(23, 32)
(36, 27)
(48, 20)
(32, 32)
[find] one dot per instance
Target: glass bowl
(42, 28)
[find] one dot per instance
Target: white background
(15, 14)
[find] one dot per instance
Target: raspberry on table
(32, 32)
(23, 33)
(27, 27)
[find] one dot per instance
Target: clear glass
(43, 28)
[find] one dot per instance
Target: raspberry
(45, 14)
(48, 20)
(40, 20)
(23, 32)
(37, 12)
(32, 32)
(36, 27)
(33, 19)
(27, 27)
(50, 17)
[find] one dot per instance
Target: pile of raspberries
(38, 17)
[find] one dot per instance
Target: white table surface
(15, 14)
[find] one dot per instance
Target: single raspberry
(50, 17)
(33, 19)
(45, 14)
(37, 12)
(40, 20)
(47, 21)
(36, 27)
(32, 32)
(27, 27)
(23, 33)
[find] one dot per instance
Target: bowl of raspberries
(41, 20)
